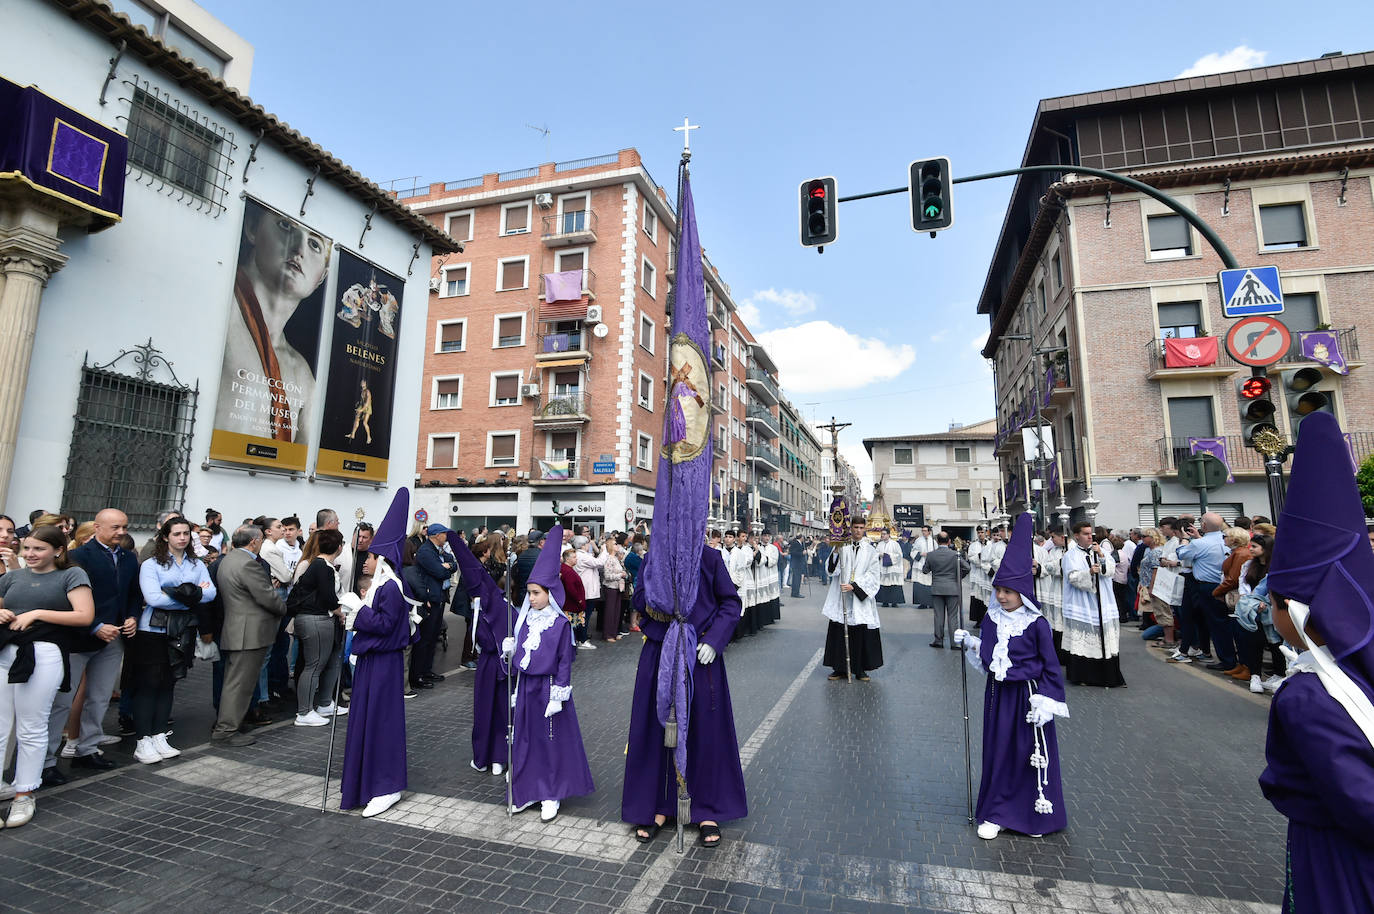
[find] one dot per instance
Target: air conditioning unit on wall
(434, 284)
(543, 201)
(529, 390)
(593, 314)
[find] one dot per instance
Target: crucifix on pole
(686, 130)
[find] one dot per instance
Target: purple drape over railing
(672, 570)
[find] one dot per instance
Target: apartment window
(503, 448)
(1170, 236)
(902, 456)
(508, 330)
(1058, 269)
(567, 383)
(448, 393)
(963, 455)
(459, 225)
(455, 281)
(646, 276)
(646, 332)
(505, 389)
(573, 217)
(443, 452)
(650, 222)
(1180, 320)
(515, 218)
(176, 148)
(1282, 227)
(963, 499)
(1040, 291)
(644, 452)
(512, 274)
(449, 336)
(563, 445)
(646, 390)
(1300, 311)
(565, 261)
(1191, 417)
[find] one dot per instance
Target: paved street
(856, 795)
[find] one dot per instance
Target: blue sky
(880, 330)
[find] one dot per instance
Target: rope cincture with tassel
(1040, 761)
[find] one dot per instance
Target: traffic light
(929, 184)
(818, 201)
(1256, 407)
(1299, 389)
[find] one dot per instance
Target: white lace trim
(564, 693)
(1009, 625)
(537, 621)
(1041, 701)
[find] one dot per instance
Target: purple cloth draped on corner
(564, 286)
(672, 568)
(1214, 446)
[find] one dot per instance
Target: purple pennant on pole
(672, 568)
(1049, 388)
(1323, 346)
(1214, 446)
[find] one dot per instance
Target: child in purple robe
(548, 761)
(374, 765)
(1320, 749)
(492, 622)
(1020, 788)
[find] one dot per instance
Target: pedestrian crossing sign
(1250, 290)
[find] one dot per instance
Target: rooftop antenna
(548, 152)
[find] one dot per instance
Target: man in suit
(252, 610)
(98, 651)
(796, 564)
(946, 568)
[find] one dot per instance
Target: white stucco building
(948, 474)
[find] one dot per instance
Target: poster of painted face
(266, 395)
(355, 438)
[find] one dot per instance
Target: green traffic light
(932, 211)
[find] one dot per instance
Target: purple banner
(1323, 346)
(1049, 388)
(1214, 446)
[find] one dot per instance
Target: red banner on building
(1190, 353)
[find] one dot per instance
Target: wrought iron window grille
(177, 149)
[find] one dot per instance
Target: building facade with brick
(952, 476)
(544, 380)
(1104, 306)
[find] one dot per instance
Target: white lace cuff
(564, 693)
(972, 646)
(1042, 702)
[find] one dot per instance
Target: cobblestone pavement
(856, 791)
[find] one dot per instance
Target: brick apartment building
(544, 380)
(1279, 161)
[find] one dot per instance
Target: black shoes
(96, 761)
(432, 678)
(938, 645)
(126, 725)
(422, 684)
(54, 778)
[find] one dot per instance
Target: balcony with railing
(765, 454)
(563, 409)
(764, 422)
(1244, 459)
(566, 229)
(720, 319)
(719, 357)
(545, 470)
(562, 344)
(762, 385)
(769, 491)
(720, 403)
(1199, 357)
(588, 290)
(718, 447)
(1346, 339)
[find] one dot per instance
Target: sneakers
(331, 709)
(1256, 686)
(548, 810)
(474, 766)
(21, 811)
(146, 752)
(987, 830)
(409, 693)
(312, 719)
(1204, 656)
(1272, 683)
(586, 646)
(379, 805)
(1176, 657)
(164, 748)
(6, 791)
(69, 748)
(109, 739)
(497, 769)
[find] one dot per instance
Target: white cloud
(1238, 58)
(767, 303)
(820, 356)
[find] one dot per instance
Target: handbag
(1168, 586)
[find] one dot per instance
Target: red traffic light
(1253, 388)
(818, 190)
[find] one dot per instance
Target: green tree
(1364, 478)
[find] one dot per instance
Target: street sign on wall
(909, 515)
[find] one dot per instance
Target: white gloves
(351, 603)
(959, 637)
(1039, 716)
(553, 708)
(705, 653)
(508, 648)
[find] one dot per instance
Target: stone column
(28, 256)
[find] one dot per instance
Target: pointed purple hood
(1322, 555)
(545, 571)
(1015, 572)
(389, 540)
